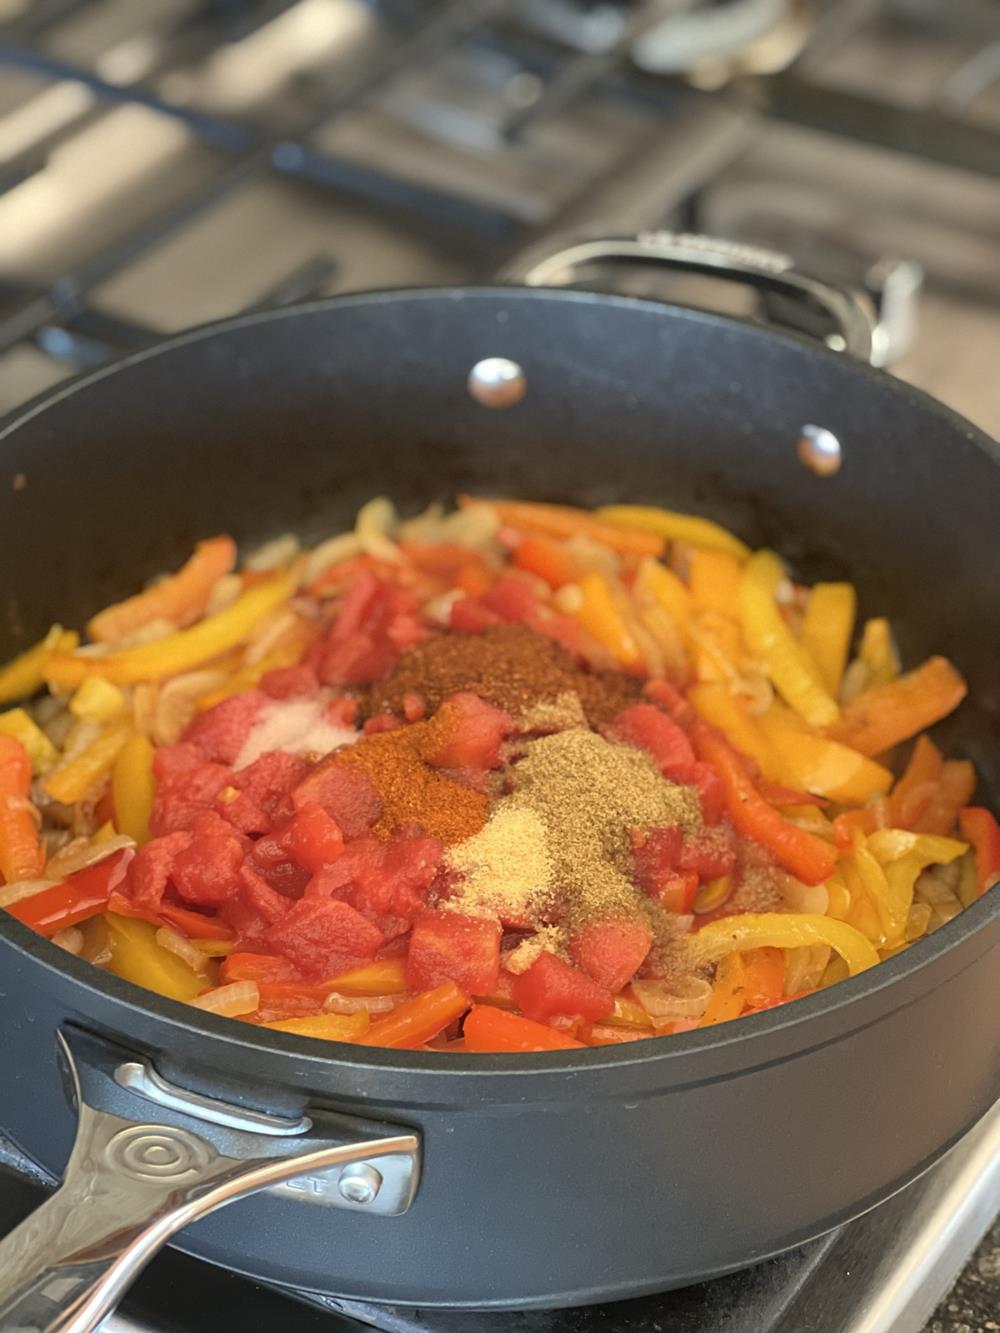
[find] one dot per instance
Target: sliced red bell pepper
(195, 925)
(809, 859)
(418, 1020)
(76, 899)
(490, 1029)
(981, 829)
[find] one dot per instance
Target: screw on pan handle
(131, 1183)
(847, 315)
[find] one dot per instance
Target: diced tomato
(647, 728)
(324, 935)
(269, 780)
(414, 706)
(386, 881)
(186, 786)
(253, 907)
(479, 731)
(291, 682)
(513, 597)
(342, 712)
(344, 792)
(358, 660)
(273, 860)
(221, 732)
(150, 869)
(668, 697)
(655, 856)
(448, 946)
(374, 726)
(314, 839)
(709, 854)
(611, 952)
(677, 892)
(377, 621)
(469, 616)
(711, 791)
(551, 987)
(206, 872)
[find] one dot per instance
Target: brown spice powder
(508, 665)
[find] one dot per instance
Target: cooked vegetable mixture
(514, 778)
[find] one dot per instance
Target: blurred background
(166, 162)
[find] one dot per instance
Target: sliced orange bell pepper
(981, 829)
(716, 703)
(880, 718)
(599, 615)
(418, 1020)
(953, 791)
(807, 857)
(564, 521)
(916, 786)
(674, 527)
(716, 640)
(715, 581)
(490, 1029)
(794, 673)
(662, 586)
(824, 767)
(827, 630)
(21, 855)
(180, 652)
(181, 598)
(728, 992)
(325, 1027)
(764, 979)
(547, 558)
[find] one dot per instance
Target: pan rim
(752, 1032)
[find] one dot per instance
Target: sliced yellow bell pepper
(715, 581)
(133, 787)
(789, 666)
(105, 833)
(23, 675)
(98, 700)
(701, 532)
(824, 767)
(180, 652)
(827, 630)
(19, 724)
(136, 957)
(902, 855)
(716, 640)
(77, 778)
(326, 1027)
(878, 652)
(717, 704)
(386, 977)
(662, 586)
(599, 615)
(783, 930)
(728, 991)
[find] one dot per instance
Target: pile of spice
(510, 666)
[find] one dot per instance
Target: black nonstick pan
(496, 1181)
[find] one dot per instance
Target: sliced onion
(375, 523)
(81, 852)
(438, 608)
(687, 997)
(275, 554)
(332, 552)
(239, 997)
(813, 898)
(176, 703)
(70, 939)
(177, 943)
(335, 1003)
(154, 631)
(269, 634)
(24, 888)
(224, 592)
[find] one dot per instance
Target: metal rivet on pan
(497, 382)
(360, 1184)
(819, 450)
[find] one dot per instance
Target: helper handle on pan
(134, 1179)
(847, 319)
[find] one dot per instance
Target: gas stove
(176, 161)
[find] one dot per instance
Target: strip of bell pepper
(79, 897)
(180, 652)
(784, 930)
(867, 879)
(714, 580)
(815, 764)
(181, 597)
(789, 666)
(674, 527)
(547, 558)
(77, 778)
(902, 855)
(133, 788)
(418, 1020)
(880, 718)
(23, 675)
(21, 854)
(728, 992)
(952, 793)
(716, 641)
(662, 586)
(827, 629)
(714, 702)
(764, 976)
(982, 830)
(564, 521)
(136, 957)
(878, 652)
(598, 614)
(195, 925)
(916, 786)
(98, 700)
(807, 857)
(19, 725)
(489, 1029)
(325, 1027)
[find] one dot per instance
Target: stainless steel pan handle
(134, 1179)
(849, 318)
